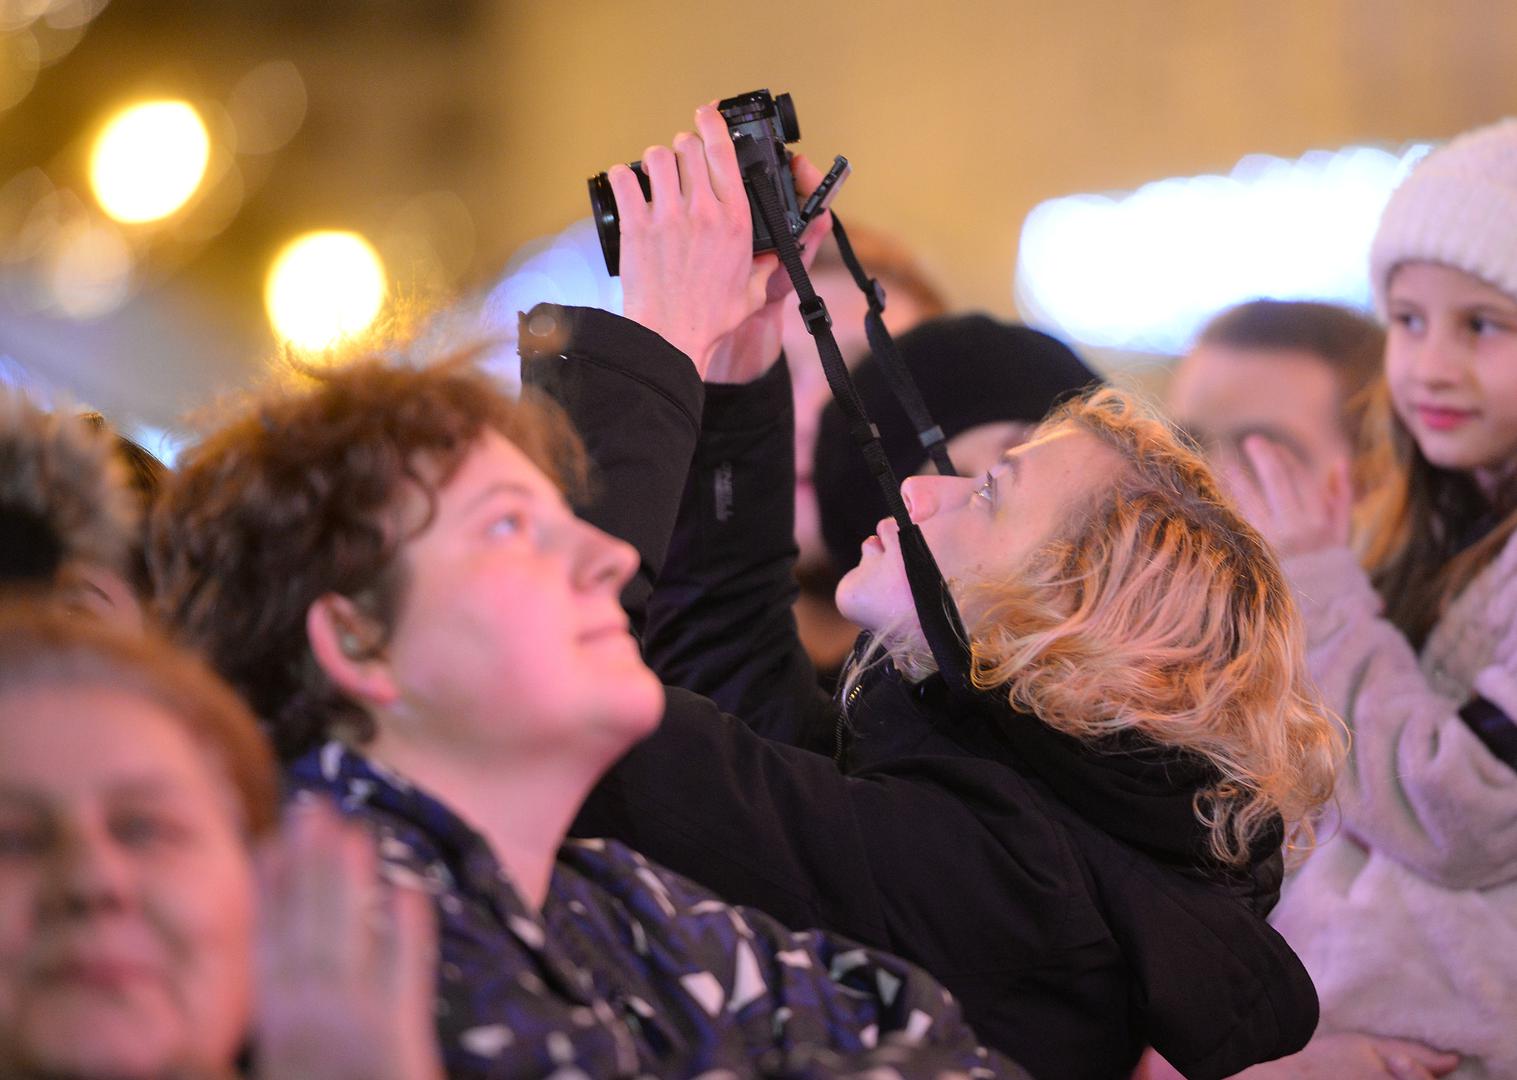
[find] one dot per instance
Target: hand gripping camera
(760, 126)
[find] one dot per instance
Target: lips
(1440, 418)
(99, 973)
(885, 527)
(610, 631)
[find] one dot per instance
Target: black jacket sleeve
(720, 620)
(636, 402)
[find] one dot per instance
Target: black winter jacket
(1060, 892)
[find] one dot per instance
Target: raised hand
(687, 263)
(753, 345)
(1281, 498)
(347, 963)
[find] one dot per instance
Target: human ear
(340, 637)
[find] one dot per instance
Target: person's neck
(522, 807)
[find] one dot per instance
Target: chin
(114, 1047)
(849, 597)
(638, 705)
(1452, 457)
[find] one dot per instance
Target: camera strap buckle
(814, 313)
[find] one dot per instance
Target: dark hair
(296, 496)
(145, 475)
(43, 647)
(62, 496)
(1353, 345)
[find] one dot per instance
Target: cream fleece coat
(1406, 915)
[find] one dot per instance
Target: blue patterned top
(633, 971)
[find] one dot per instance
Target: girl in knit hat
(1406, 915)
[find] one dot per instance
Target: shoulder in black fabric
(1134, 789)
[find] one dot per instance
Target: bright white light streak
(1142, 271)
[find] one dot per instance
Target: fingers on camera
(662, 168)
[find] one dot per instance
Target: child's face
(1451, 363)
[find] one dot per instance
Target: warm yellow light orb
(323, 287)
(148, 160)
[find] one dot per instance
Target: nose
(602, 560)
(923, 495)
(88, 873)
(1441, 358)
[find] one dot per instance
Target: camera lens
(608, 225)
(790, 127)
(607, 222)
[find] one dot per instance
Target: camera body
(760, 126)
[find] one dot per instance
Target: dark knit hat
(972, 370)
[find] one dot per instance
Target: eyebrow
(139, 787)
(499, 487)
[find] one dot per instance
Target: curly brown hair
(297, 494)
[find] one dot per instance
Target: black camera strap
(882, 345)
(942, 625)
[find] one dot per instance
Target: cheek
(1398, 363)
(18, 903)
(16, 906)
(207, 928)
(1499, 373)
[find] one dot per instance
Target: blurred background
(187, 188)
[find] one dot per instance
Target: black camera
(760, 126)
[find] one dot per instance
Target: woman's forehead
(95, 737)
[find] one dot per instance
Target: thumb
(807, 176)
(1409, 1060)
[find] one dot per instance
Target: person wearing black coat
(1064, 896)
(1087, 880)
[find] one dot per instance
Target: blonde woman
(1083, 854)
(1086, 857)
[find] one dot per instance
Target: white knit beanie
(1458, 206)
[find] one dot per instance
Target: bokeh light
(90, 269)
(148, 160)
(20, 58)
(1142, 271)
(323, 287)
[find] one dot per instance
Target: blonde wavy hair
(1159, 611)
